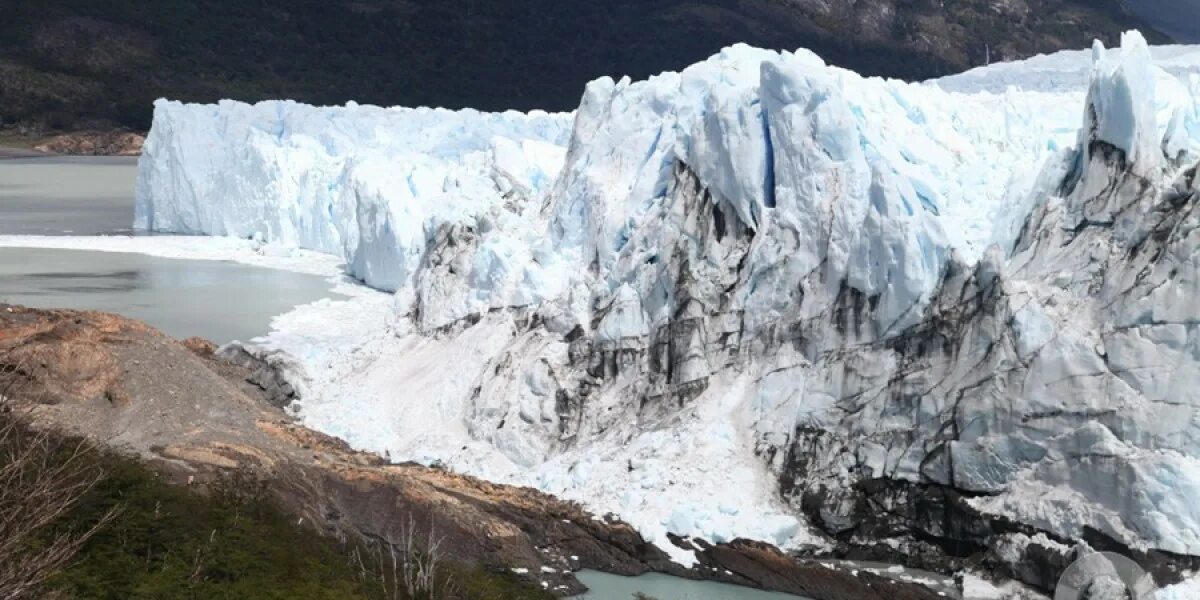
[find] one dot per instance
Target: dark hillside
(75, 64)
(1178, 18)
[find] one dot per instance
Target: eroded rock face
(265, 375)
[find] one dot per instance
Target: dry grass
(42, 478)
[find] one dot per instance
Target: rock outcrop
(95, 143)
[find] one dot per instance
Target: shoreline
(192, 247)
(12, 152)
(114, 142)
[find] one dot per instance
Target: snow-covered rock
(758, 289)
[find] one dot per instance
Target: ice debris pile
(762, 288)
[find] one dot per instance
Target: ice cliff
(762, 291)
(364, 182)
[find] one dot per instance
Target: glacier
(761, 297)
(362, 182)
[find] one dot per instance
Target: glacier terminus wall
(763, 296)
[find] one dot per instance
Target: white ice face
(657, 304)
(367, 183)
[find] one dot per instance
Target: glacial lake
(603, 586)
(86, 195)
(67, 195)
(220, 301)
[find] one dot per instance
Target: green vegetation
(172, 542)
(76, 64)
(78, 521)
(135, 536)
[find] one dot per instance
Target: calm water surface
(603, 586)
(221, 301)
(67, 195)
(84, 195)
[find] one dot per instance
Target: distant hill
(83, 64)
(1179, 19)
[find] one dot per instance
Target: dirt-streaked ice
(712, 296)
